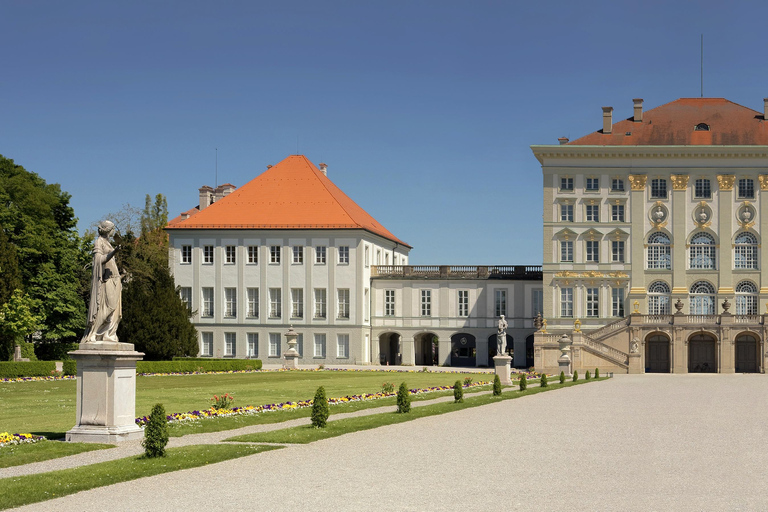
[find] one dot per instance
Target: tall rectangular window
(746, 188)
(297, 303)
(617, 185)
(593, 184)
(566, 302)
(208, 254)
(617, 302)
(274, 344)
(658, 188)
(617, 251)
(593, 303)
(537, 302)
(300, 345)
(298, 254)
(500, 301)
(566, 213)
(593, 213)
(319, 345)
(253, 254)
(320, 255)
(426, 302)
(230, 302)
(230, 344)
(593, 251)
(274, 254)
(206, 348)
(185, 292)
(343, 255)
(378, 256)
(275, 303)
(229, 254)
(463, 302)
(367, 257)
(253, 344)
(566, 184)
(342, 346)
(389, 302)
(617, 212)
(186, 254)
(207, 302)
(566, 251)
(320, 302)
(253, 302)
(702, 189)
(343, 305)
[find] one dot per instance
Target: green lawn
(35, 452)
(48, 408)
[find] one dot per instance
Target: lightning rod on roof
(216, 181)
(702, 65)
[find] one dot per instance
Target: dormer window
(701, 127)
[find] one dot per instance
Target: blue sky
(423, 111)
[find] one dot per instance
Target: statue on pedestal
(501, 336)
(105, 308)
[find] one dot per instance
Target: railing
(703, 319)
(657, 319)
(748, 319)
(519, 272)
(548, 338)
(608, 329)
(617, 355)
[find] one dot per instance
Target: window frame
(593, 302)
(746, 188)
(463, 303)
(207, 255)
(274, 254)
(319, 345)
(253, 255)
(321, 304)
(230, 302)
(343, 255)
(342, 306)
(252, 302)
(275, 303)
(342, 346)
(702, 188)
(297, 303)
(298, 255)
(657, 185)
(426, 302)
(320, 255)
(208, 304)
(186, 255)
(592, 251)
(389, 302)
(230, 254)
(617, 213)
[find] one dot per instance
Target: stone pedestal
(501, 364)
(635, 364)
(106, 393)
(291, 355)
(564, 361)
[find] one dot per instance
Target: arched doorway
(702, 354)
(426, 349)
(493, 345)
(657, 353)
(389, 348)
(529, 360)
(463, 350)
(747, 350)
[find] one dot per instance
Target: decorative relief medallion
(637, 181)
(702, 215)
(658, 215)
(746, 215)
(763, 178)
(679, 181)
(594, 274)
(725, 181)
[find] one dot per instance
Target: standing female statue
(105, 308)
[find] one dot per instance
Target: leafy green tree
(10, 275)
(17, 320)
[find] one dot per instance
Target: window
(342, 346)
(617, 212)
(319, 345)
(426, 302)
(593, 302)
(343, 255)
(253, 302)
(378, 256)
(566, 213)
(320, 255)
(658, 188)
(746, 298)
(500, 302)
(274, 254)
(367, 257)
(274, 344)
(617, 185)
(186, 254)
(658, 298)
(701, 127)
(389, 302)
(702, 189)
(320, 301)
(617, 302)
(365, 304)
(253, 344)
(566, 302)
(659, 252)
(230, 344)
(275, 303)
(746, 188)
(593, 251)
(593, 184)
(566, 184)
(298, 254)
(702, 298)
(593, 213)
(207, 302)
(185, 292)
(229, 254)
(566, 251)
(300, 345)
(702, 251)
(617, 251)
(208, 254)
(343, 306)
(253, 254)
(745, 251)
(386, 258)
(297, 303)
(230, 302)
(206, 346)
(463, 302)
(537, 302)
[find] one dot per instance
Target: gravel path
(646, 442)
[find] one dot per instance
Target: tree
(156, 433)
(10, 275)
(458, 392)
(16, 321)
(403, 399)
(320, 410)
(496, 386)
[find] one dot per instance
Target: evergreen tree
(523, 383)
(156, 433)
(403, 399)
(597, 373)
(320, 410)
(562, 377)
(458, 392)
(575, 375)
(10, 275)
(496, 386)
(543, 381)
(587, 376)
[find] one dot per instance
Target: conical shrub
(403, 399)
(458, 392)
(156, 433)
(320, 410)
(496, 386)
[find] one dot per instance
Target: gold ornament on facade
(577, 325)
(745, 215)
(544, 325)
(658, 215)
(702, 215)
(725, 181)
(679, 181)
(592, 274)
(636, 306)
(763, 179)
(637, 181)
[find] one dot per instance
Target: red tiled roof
(293, 194)
(181, 217)
(730, 124)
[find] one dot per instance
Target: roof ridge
(333, 195)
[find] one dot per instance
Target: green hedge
(11, 369)
(70, 367)
(206, 365)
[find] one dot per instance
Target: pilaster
(637, 212)
(763, 208)
(679, 252)
(725, 229)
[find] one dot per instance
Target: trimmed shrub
(156, 433)
(575, 375)
(70, 367)
(587, 376)
(597, 373)
(496, 386)
(194, 365)
(458, 392)
(543, 381)
(12, 369)
(523, 383)
(562, 377)
(320, 410)
(403, 399)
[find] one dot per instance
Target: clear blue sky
(423, 111)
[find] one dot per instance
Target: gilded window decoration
(637, 181)
(725, 181)
(679, 181)
(763, 178)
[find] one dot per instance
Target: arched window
(703, 251)
(746, 298)
(658, 298)
(702, 298)
(701, 127)
(659, 251)
(745, 251)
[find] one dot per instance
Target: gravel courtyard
(646, 442)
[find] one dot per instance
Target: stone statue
(633, 346)
(501, 336)
(537, 322)
(105, 308)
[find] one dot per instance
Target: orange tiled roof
(183, 216)
(730, 124)
(293, 194)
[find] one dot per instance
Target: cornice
(566, 151)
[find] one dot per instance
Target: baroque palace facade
(290, 249)
(653, 257)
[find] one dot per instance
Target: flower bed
(7, 439)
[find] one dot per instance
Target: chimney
(607, 119)
(205, 196)
(638, 109)
(562, 140)
(269, 166)
(765, 108)
(324, 169)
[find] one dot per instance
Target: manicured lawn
(36, 452)
(17, 491)
(48, 408)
